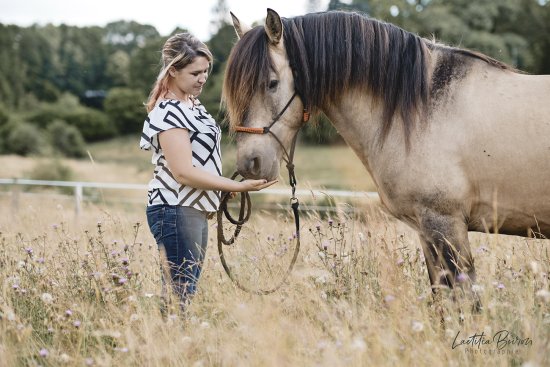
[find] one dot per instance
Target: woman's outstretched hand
(256, 185)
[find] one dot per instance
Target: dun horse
(454, 140)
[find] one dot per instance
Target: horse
(454, 140)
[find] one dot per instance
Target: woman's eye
(273, 84)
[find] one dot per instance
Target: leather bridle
(245, 208)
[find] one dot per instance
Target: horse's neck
(357, 119)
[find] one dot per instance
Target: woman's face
(190, 79)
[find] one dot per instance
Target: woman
(187, 179)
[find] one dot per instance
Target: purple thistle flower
(125, 261)
(318, 226)
(43, 352)
(462, 277)
(500, 286)
(330, 222)
(122, 281)
(77, 323)
(68, 313)
(29, 250)
(389, 298)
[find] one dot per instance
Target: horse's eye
(273, 84)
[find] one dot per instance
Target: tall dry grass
(85, 291)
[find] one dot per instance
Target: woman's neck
(186, 99)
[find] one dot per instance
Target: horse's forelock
(247, 72)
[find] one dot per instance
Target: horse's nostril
(255, 166)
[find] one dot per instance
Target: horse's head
(257, 88)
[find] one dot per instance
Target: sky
(165, 16)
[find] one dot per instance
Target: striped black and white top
(205, 137)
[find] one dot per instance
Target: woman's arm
(176, 146)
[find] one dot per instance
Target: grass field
(84, 291)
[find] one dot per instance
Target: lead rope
(246, 206)
(244, 215)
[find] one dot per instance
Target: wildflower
(417, 326)
(46, 298)
(400, 262)
(125, 261)
(44, 352)
(122, 350)
(89, 361)
(68, 313)
(29, 251)
(476, 288)
(77, 323)
(122, 280)
(318, 226)
(500, 286)
(389, 299)
(40, 260)
(359, 344)
(54, 226)
(462, 277)
(330, 222)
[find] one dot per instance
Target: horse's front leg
(444, 239)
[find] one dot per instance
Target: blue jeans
(182, 234)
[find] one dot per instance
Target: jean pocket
(155, 218)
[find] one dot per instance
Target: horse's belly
(513, 207)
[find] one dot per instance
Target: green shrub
(67, 139)
(45, 115)
(125, 108)
(24, 139)
(93, 124)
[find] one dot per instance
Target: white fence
(78, 187)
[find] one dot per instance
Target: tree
(125, 109)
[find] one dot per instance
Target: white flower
(64, 358)
(358, 344)
(417, 326)
(476, 288)
(46, 298)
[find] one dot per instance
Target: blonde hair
(178, 51)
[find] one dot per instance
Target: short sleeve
(170, 114)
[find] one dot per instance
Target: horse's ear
(273, 26)
(240, 28)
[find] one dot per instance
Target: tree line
(63, 86)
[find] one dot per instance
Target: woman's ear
(172, 71)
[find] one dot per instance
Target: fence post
(78, 199)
